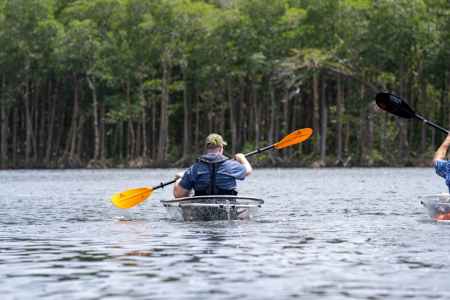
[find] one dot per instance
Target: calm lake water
(321, 234)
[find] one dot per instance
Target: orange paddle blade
(295, 137)
(131, 197)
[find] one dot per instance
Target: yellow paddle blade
(131, 197)
(295, 137)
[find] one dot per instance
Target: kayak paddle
(132, 197)
(292, 138)
(396, 106)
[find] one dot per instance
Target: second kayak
(438, 206)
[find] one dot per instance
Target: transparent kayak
(438, 206)
(212, 208)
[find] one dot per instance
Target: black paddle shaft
(163, 184)
(259, 150)
(395, 105)
(419, 117)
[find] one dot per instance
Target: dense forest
(134, 83)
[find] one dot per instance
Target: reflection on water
(325, 234)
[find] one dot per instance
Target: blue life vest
(212, 189)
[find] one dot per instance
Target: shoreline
(256, 167)
(276, 162)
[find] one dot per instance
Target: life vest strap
(212, 189)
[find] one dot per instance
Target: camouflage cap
(215, 140)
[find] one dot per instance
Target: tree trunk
(80, 134)
(241, 124)
(433, 138)
(91, 82)
(402, 138)
(257, 113)
(154, 131)
(369, 131)
(324, 124)
(44, 111)
(144, 121)
(285, 122)
(120, 139)
(50, 123)
(433, 131)
(295, 116)
(102, 131)
(197, 124)
(34, 107)
(210, 117)
(187, 108)
(70, 133)
(316, 112)
(144, 133)
(131, 145)
(273, 109)
(233, 121)
(222, 118)
(383, 138)
(401, 124)
(75, 114)
(347, 136)
(4, 127)
(222, 113)
(164, 122)
(29, 125)
(339, 119)
(59, 124)
(423, 138)
(15, 124)
(138, 142)
(362, 126)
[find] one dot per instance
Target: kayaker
(213, 173)
(441, 164)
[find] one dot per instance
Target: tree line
(103, 83)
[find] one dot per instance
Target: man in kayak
(442, 165)
(213, 173)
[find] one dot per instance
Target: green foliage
(215, 54)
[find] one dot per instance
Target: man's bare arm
(179, 191)
(441, 153)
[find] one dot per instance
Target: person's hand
(240, 157)
(179, 175)
(243, 160)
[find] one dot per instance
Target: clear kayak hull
(212, 208)
(438, 206)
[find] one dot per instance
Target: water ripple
(321, 234)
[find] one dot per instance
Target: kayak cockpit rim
(213, 208)
(257, 201)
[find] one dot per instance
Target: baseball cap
(215, 140)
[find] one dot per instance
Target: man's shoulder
(233, 164)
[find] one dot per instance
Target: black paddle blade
(395, 105)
